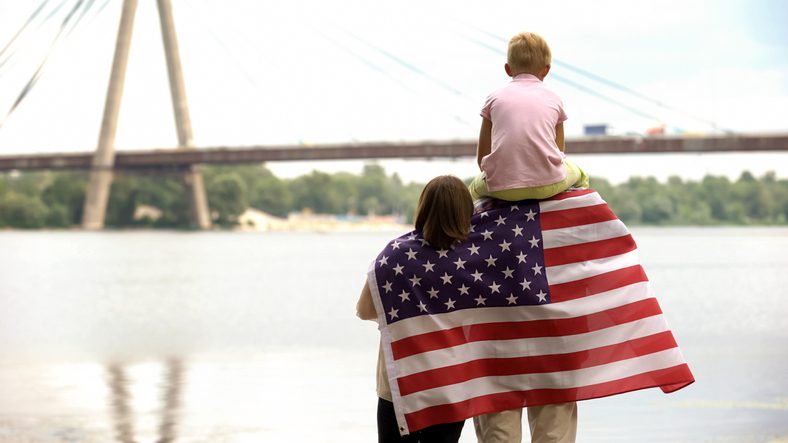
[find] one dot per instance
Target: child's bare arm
(559, 136)
(485, 141)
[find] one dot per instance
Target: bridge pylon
(101, 174)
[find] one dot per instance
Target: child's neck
(541, 78)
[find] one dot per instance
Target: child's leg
(478, 187)
(537, 192)
(574, 170)
(574, 177)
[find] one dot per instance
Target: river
(251, 337)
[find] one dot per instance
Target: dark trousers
(388, 430)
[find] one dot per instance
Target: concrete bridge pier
(104, 158)
(192, 177)
(95, 208)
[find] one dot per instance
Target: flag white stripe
(555, 238)
(568, 309)
(552, 380)
(585, 269)
(530, 347)
(571, 203)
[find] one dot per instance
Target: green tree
(58, 216)
(374, 190)
(22, 211)
(271, 195)
(716, 192)
(227, 198)
(67, 190)
(316, 193)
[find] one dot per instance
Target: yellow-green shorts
(575, 177)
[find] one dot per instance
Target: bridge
(182, 159)
(104, 160)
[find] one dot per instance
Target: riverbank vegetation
(54, 199)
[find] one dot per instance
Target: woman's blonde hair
(443, 214)
(528, 53)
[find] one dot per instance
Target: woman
(443, 219)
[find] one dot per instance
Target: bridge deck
(183, 158)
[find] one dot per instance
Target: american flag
(545, 302)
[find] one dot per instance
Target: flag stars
(463, 289)
(398, 269)
(518, 231)
(450, 304)
(512, 299)
(487, 234)
(422, 307)
(542, 296)
(443, 253)
(404, 295)
(433, 292)
(513, 208)
(395, 244)
(383, 260)
(472, 228)
(534, 241)
(393, 313)
(415, 281)
(494, 288)
(525, 284)
(424, 242)
(428, 266)
(500, 221)
(483, 214)
(480, 301)
(387, 286)
(490, 261)
(508, 273)
(537, 269)
(477, 276)
(446, 278)
(521, 257)
(474, 249)
(460, 263)
(411, 254)
(530, 214)
(505, 246)
(412, 237)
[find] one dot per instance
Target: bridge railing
(172, 159)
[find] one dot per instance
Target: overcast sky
(312, 71)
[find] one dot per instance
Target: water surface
(250, 337)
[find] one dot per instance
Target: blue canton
(500, 264)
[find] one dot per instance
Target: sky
(318, 72)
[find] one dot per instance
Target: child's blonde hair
(528, 53)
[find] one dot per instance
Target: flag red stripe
(678, 375)
(490, 367)
(589, 251)
(430, 341)
(597, 284)
(576, 216)
(570, 194)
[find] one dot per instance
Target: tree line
(55, 199)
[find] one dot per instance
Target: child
(521, 142)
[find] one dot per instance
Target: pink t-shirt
(524, 154)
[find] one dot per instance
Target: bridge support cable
(102, 165)
(64, 30)
(192, 178)
(602, 80)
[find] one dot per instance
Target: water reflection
(121, 399)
